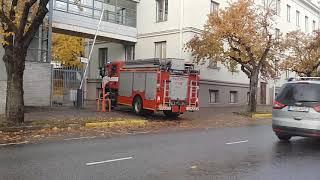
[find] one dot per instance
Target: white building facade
(165, 26)
(139, 29)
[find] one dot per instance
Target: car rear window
(306, 93)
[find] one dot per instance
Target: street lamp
(80, 94)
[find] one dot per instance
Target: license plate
(298, 109)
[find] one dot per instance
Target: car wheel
(171, 114)
(284, 137)
(137, 105)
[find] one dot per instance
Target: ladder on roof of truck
(304, 79)
(147, 63)
(193, 94)
(166, 92)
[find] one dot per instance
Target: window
(277, 35)
(103, 57)
(129, 50)
(162, 10)
(121, 15)
(80, 7)
(298, 18)
(276, 63)
(287, 74)
(213, 64)
(288, 13)
(248, 97)
(306, 23)
(263, 93)
(160, 49)
(265, 3)
(214, 96)
(233, 96)
(214, 7)
(278, 7)
(313, 25)
(307, 94)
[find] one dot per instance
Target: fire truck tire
(171, 114)
(137, 105)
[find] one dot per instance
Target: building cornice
(171, 31)
(223, 83)
(309, 4)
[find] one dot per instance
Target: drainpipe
(181, 28)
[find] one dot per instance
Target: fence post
(79, 98)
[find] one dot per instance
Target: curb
(116, 123)
(262, 116)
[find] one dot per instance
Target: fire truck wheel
(137, 105)
(171, 114)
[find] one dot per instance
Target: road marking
(108, 161)
(136, 133)
(143, 132)
(89, 137)
(237, 142)
(24, 142)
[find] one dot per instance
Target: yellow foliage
(67, 49)
(302, 53)
(14, 15)
(238, 35)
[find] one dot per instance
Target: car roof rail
(304, 79)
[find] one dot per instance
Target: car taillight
(278, 105)
(317, 108)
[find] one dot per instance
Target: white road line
(24, 142)
(108, 161)
(237, 142)
(89, 137)
(136, 133)
(143, 132)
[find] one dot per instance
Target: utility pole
(80, 93)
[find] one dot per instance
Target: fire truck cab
(168, 85)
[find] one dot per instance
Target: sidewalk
(69, 113)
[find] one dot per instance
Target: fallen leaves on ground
(119, 126)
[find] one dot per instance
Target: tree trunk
(14, 59)
(253, 89)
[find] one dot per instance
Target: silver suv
(296, 110)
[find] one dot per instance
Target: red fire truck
(168, 85)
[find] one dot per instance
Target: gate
(65, 82)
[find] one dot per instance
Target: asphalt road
(230, 153)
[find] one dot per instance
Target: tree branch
(247, 72)
(266, 51)
(12, 12)
(315, 67)
(37, 21)
(7, 21)
(24, 17)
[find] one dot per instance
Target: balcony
(81, 17)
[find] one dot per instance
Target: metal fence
(65, 82)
